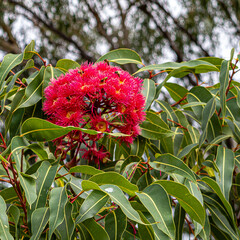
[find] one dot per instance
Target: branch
(165, 33)
(225, 8)
(54, 30)
(191, 37)
(7, 29)
(9, 47)
(100, 25)
(123, 23)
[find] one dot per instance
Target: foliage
(180, 175)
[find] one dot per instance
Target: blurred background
(159, 30)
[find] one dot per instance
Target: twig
(179, 125)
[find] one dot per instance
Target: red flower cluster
(97, 96)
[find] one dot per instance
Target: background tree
(84, 30)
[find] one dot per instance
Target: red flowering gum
(97, 96)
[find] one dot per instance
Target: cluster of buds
(95, 96)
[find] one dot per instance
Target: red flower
(97, 96)
(95, 155)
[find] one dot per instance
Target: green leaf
(176, 91)
(214, 128)
(92, 205)
(17, 144)
(197, 66)
(29, 64)
(216, 141)
(28, 184)
(36, 129)
(96, 231)
(222, 222)
(76, 185)
(188, 149)
(14, 212)
(33, 92)
(39, 220)
(16, 123)
(217, 232)
(118, 197)
(237, 181)
(233, 110)
(44, 179)
(36, 148)
(138, 146)
(206, 231)
(83, 233)
(179, 218)
(208, 112)
(14, 108)
(212, 199)
(224, 79)
(235, 127)
(9, 195)
(194, 104)
(145, 180)
(89, 185)
(225, 164)
(4, 225)
(66, 64)
(153, 130)
(211, 164)
(115, 224)
(213, 60)
(191, 205)
(85, 169)
(198, 94)
(216, 189)
(28, 51)
(194, 190)
(145, 231)
(148, 91)
(158, 234)
(66, 228)
(57, 202)
(171, 164)
(116, 179)
(129, 160)
(168, 110)
(122, 56)
(238, 95)
(9, 62)
(231, 54)
(156, 200)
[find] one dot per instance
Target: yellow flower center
(123, 109)
(69, 114)
(121, 82)
(101, 126)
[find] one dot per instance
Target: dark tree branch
(165, 33)
(100, 25)
(123, 23)
(50, 26)
(9, 47)
(225, 8)
(184, 30)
